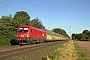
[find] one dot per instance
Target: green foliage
(80, 53)
(60, 31)
(9, 25)
(54, 55)
(37, 23)
(85, 36)
(6, 30)
(19, 58)
(21, 18)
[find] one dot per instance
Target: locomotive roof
(52, 33)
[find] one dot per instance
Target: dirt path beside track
(85, 45)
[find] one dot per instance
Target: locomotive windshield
(23, 30)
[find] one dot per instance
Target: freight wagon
(27, 34)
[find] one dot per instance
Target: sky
(70, 15)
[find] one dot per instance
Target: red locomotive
(29, 34)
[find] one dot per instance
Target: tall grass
(82, 55)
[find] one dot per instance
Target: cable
(38, 5)
(8, 6)
(37, 9)
(14, 4)
(40, 11)
(17, 5)
(43, 11)
(46, 14)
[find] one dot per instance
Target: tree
(73, 36)
(85, 35)
(86, 32)
(21, 18)
(37, 23)
(6, 30)
(78, 36)
(60, 31)
(89, 36)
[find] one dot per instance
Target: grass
(19, 58)
(80, 53)
(57, 54)
(54, 55)
(39, 51)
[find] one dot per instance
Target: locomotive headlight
(27, 35)
(17, 35)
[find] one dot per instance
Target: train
(27, 34)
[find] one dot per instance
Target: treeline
(60, 31)
(9, 25)
(84, 36)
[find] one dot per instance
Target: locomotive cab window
(23, 30)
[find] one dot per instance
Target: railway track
(12, 52)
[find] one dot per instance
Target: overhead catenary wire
(56, 25)
(20, 8)
(38, 5)
(15, 4)
(37, 8)
(41, 12)
(32, 4)
(8, 6)
(45, 13)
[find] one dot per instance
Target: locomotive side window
(31, 30)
